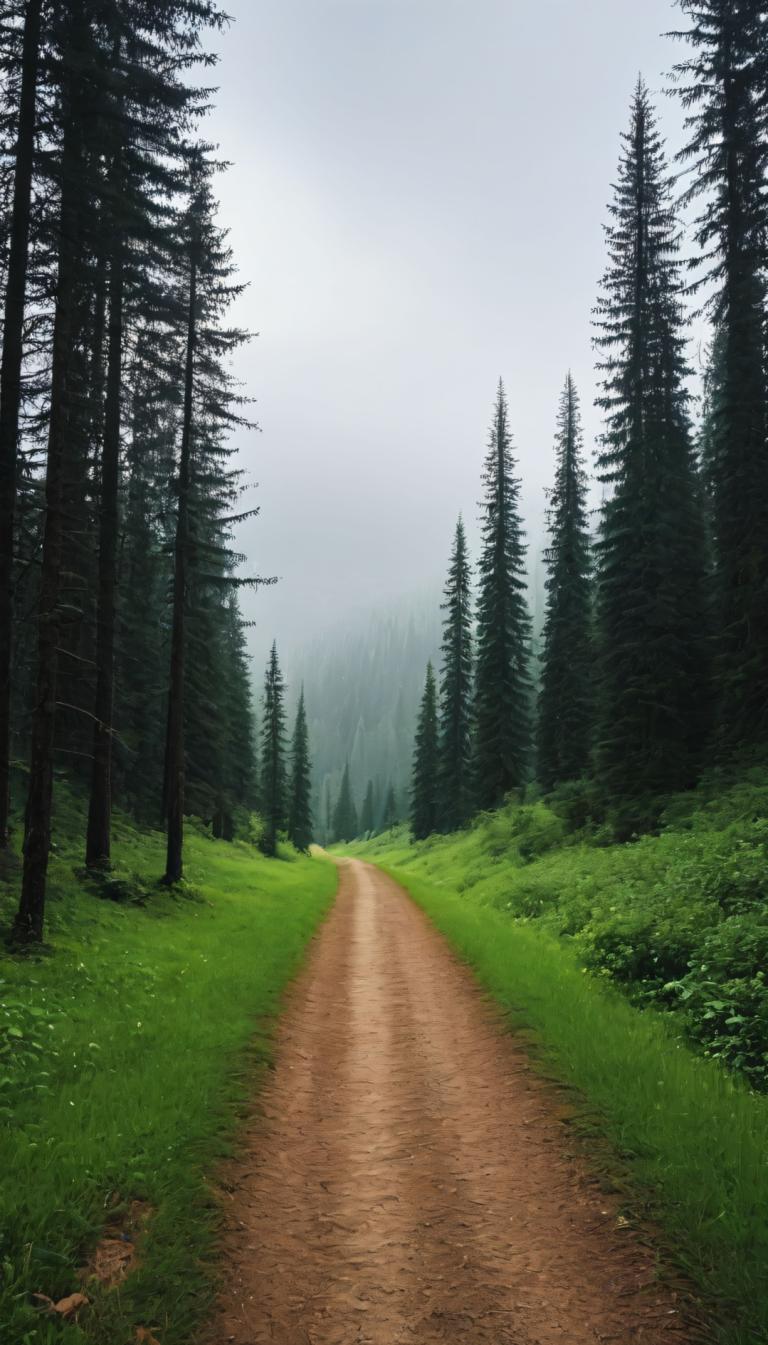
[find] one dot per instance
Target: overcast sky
(416, 198)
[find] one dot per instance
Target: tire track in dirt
(405, 1178)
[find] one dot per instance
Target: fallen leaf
(145, 1337)
(69, 1307)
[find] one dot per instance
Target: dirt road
(406, 1178)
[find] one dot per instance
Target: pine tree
(455, 784)
(10, 374)
(345, 814)
(300, 810)
(425, 785)
(503, 690)
(723, 88)
(175, 753)
(651, 607)
(328, 813)
(368, 813)
(390, 816)
(207, 490)
(565, 699)
(77, 45)
(273, 777)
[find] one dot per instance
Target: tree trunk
(98, 838)
(10, 380)
(174, 753)
(28, 926)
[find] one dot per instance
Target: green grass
(126, 1057)
(678, 920)
(687, 1142)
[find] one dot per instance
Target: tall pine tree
(455, 793)
(273, 775)
(300, 807)
(565, 699)
(424, 789)
(345, 814)
(10, 374)
(652, 619)
(390, 817)
(503, 688)
(368, 811)
(723, 87)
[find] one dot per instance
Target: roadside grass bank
(127, 1054)
(690, 1141)
(678, 919)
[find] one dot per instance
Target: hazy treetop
(418, 203)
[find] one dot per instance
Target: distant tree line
(122, 646)
(366, 680)
(655, 640)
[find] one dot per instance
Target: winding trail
(406, 1176)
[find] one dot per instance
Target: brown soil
(406, 1178)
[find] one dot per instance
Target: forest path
(405, 1177)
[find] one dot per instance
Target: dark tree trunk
(28, 925)
(174, 753)
(10, 380)
(98, 838)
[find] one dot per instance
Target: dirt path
(406, 1178)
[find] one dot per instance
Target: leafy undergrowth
(679, 920)
(126, 1055)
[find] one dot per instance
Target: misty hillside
(363, 683)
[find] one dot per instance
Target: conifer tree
(368, 813)
(206, 490)
(723, 87)
(328, 813)
(565, 699)
(390, 816)
(10, 373)
(300, 809)
(77, 46)
(455, 784)
(345, 814)
(652, 623)
(424, 790)
(503, 689)
(273, 775)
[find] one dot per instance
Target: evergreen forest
(403, 979)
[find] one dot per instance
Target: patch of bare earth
(406, 1177)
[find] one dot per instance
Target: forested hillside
(363, 683)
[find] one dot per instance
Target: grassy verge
(678, 919)
(125, 1058)
(692, 1141)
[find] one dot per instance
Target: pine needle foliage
(390, 814)
(300, 827)
(565, 699)
(368, 811)
(273, 775)
(455, 781)
(424, 792)
(722, 86)
(503, 687)
(653, 649)
(344, 826)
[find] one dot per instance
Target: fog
(417, 197)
